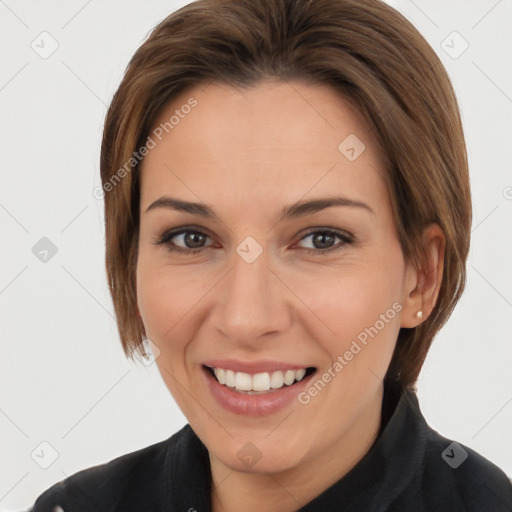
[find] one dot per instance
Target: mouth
(258, 383)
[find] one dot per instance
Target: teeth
(289, 377)
(220, 374)
(243, 381)
(276, 380)
(260, 381)
(299, 374)
(230, 378)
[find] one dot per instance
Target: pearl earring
(419, 314)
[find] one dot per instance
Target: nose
(253, 302)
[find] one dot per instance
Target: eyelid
(345, 237)
(322, 229)
(166, 236)
(310, 231)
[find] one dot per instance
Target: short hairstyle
(363, 49)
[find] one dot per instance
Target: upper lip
(253, 367)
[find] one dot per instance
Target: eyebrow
(299, 209)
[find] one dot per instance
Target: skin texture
(249, 154)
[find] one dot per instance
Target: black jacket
(410, 468)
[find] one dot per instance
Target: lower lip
(254, 405)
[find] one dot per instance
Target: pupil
(193, 240)
(323, 240)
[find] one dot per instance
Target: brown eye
(324, 240)
(184, 241)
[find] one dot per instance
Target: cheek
(361, 304)
(172, 305)
(163, 305)
(161, 301)
(163, 291)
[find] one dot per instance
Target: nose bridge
(253, 302)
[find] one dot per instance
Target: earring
(419, 314)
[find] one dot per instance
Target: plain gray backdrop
(70, 399)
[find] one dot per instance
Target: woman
(288, 212)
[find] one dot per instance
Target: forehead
(278, 135)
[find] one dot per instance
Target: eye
(323, 240)
(190, 241)
(184, 240)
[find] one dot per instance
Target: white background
(63, 376)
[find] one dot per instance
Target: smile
(256, 394)
(259, 383)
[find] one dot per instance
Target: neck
(291, 489)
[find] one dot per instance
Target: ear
(421, 287)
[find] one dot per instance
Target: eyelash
(166, 237)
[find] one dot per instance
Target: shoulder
(104, 486)
(455, 477)
(459, 473)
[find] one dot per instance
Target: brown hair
(366, 51)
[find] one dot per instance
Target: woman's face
(253, 290)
